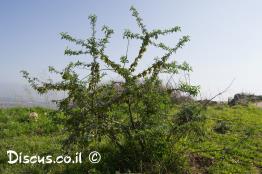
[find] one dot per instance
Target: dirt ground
(259, 104)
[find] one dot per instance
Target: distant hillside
(6, 102)
(13, 95)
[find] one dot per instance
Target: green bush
(130, 115)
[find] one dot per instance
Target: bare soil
(259, 104)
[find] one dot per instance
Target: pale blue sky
(225, 35)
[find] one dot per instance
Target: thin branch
(220, 93)
(127, 47)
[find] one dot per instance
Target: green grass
(237, 150)
(30, 137)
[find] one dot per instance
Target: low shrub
(222, 127)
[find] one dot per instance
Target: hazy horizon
(225, 38)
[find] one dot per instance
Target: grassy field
(237, 146)
(233, 141)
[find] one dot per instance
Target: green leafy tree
(129, 120)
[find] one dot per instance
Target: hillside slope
(233, 141)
